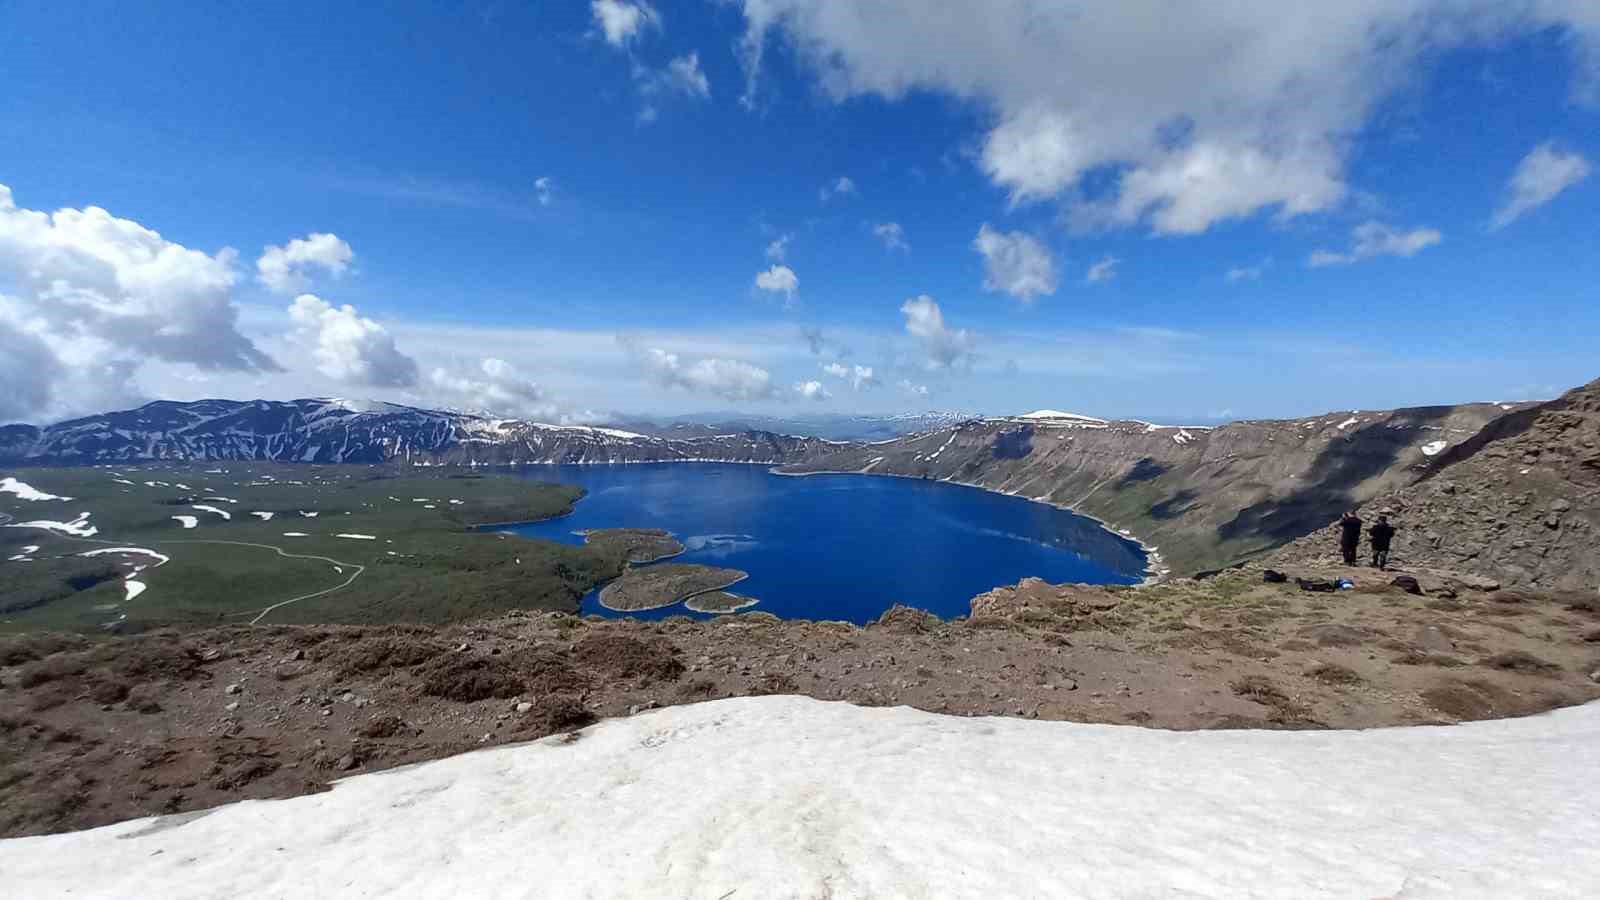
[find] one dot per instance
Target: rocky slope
(339, 431)
(1518, 502)
(1205, 497)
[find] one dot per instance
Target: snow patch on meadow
(828, 799)
(358, 537)
(78, 527)
(1434, 448)
(187, 521)
(26, 491)
(211, 509)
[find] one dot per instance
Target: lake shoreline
(1155, 570)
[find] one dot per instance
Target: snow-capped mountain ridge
(331, 430)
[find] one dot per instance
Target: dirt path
(280, 551)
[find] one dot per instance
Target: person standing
(1349, 536)
(1381, 534)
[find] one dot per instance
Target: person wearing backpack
(1381, 534)
(1349, 536)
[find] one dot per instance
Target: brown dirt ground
(97, 732)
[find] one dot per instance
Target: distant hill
(832, 426)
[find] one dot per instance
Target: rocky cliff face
(1519, 502)
(1205, 497)
(334, 431)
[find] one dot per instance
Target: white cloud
(1377, 239)
(945, 347)
(1188, 113)
(1247, 273)
(620, 22)
(812, 390)
(892, 235)
(544, 187)
(1540, 176)
(287, 269)
(779, 248)
(916, 390)
(729, 379)
(496, 388)
(349, 348)
(1016, 263)
(685, 77)
(860, 377)
(779, 280)
(1104, 270)
(103, 295)
(840, 187)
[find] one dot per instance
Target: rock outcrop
(1518, 502)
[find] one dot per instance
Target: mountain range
(1199, 497)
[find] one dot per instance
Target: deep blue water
(839, 546)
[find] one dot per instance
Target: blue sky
(561, 210)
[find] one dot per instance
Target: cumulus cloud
(287, 269)
(892, 235)
(29, 370)
(1016, 263)
(1104, 270)
(496, 388)
(1377, 239)
(779, 247)
(812, 390)
(840, 187)
(1545, 172)
(729, 379)
(1184, 114)
(350, 348)
(99, 291)
(859, 377)
(779, 280)
(620, 22)
(544, 188)
(945, 347)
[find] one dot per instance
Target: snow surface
(295, 534)
(263, 516)
(1434, 448)
(792, 797)
(133, 588)
(78, 527)
(1058, 414)
(187, 521)
(160, 559)
(26, 491)
(358, 537)
(211, 509)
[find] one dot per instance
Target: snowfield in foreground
(792, 797)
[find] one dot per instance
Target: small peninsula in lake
(635, 545)
(720, 602)
(654, 587)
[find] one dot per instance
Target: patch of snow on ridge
(187, 521)
(1347, 423)
(264, 516)
(1499, 808)
(1058, 414)
(78, 527)
(161, 559)
(211, 509)
(1434, 448)
(26, 491)
(358, 537)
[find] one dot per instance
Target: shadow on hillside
(1327, 488)
(1014, 444)
(1146, 469)
(1175, 506)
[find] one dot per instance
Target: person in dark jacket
(1381, 534)
(1349, 536)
